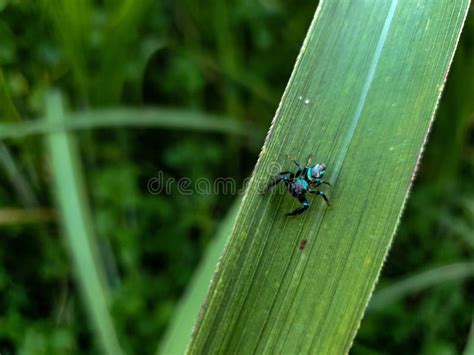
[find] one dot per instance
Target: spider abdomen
(298, 187)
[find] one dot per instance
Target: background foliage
(231, 58)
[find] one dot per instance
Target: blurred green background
(227, 58)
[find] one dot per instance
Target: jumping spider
(305, 180)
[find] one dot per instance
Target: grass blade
(469, 349)
(361, 98)
(17, 179)
(130, 117)
(420, 281)
(179, 331)
(7, 107)
(19, 182)
(77, 225)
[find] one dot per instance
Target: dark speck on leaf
(303, 244)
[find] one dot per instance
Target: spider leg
(298, 164)
(304, 206)
(325, 182)
(322, 194)
(319, 183)
(301, 168)
(283, 176)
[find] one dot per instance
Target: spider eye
(318, 170)
(315, 172)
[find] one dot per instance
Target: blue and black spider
(303, 181)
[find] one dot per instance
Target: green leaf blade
(164, 118)
(76, 221)
(361, 99)
(436, 276)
